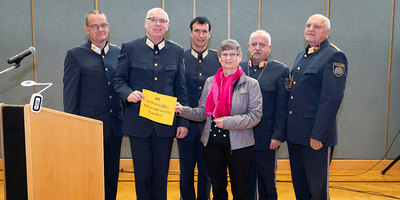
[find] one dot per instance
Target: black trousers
(263, 175)
(219, 157)
(151, 163)
(310, 171)
(190, 156)
(112, 151)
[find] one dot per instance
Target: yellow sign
(157, 107)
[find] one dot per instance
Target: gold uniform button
(291, 97)
(305, 56)
(110, 110)
(294, 82)
(200, 74)
(298, 68)
(155, 64)
(106, 69)
(254, 70)
(109, 83)
(102, 56)
(110, 97)
(155, 78)
(199, 61)
(290, 112)
(200, 88)
(156, 52)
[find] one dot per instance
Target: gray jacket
(246, 112)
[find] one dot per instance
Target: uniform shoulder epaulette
(214, 50)
(114, 45)
(277, 61)
(335, 47)
(176, 43)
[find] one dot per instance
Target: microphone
(17, 58)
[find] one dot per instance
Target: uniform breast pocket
(311, 71)
(172, 67)
(310, 76)
(91, 76)
(139, 66)
(170, 70)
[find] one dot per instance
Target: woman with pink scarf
(231, 104)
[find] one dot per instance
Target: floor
(344, 185)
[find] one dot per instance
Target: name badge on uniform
(338, 69)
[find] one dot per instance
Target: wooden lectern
(51, 155)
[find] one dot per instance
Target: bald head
(317, 29)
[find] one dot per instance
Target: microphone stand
(17, 64)
(390, 165)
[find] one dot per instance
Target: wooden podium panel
(64, 156)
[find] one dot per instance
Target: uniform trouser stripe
(327, 169)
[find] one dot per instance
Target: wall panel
(242, 27)
(286, 25)
(394, 109)
(363, 112)
(217, 13)
(180, 13)
(16, 36)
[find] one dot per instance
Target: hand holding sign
(158, 107)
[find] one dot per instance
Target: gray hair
(264, 33)
(154, 9)
(327, 21)
(229, 44)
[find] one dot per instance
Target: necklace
(248, 71)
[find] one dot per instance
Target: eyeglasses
(154, 20)
(97, 27)
(231, 55)
(262, 45)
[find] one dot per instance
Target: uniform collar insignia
(98, 50)
(196, 55)
(151, 44)
(313, 49)
(261, 64)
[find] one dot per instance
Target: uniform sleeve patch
(338, 69)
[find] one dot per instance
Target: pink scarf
(219, 99)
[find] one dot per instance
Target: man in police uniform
(200, 63)
(88, 72)
(155, 64)
(270, 132)
(316, 91)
